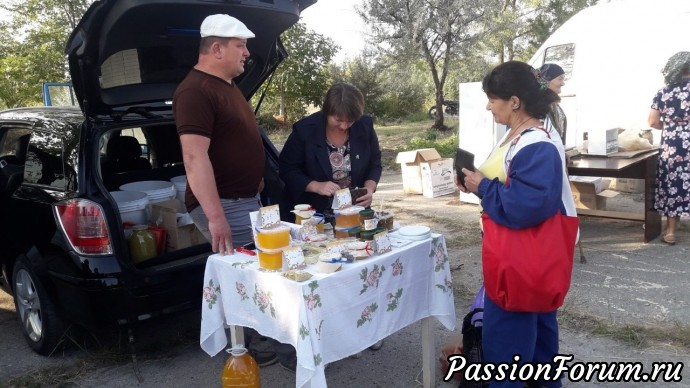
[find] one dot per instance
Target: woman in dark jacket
(332, 149)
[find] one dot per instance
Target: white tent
(613, 54)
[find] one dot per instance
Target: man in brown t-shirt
(222, 150)
(221, 145)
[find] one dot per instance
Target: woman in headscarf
(671, 112)
(556, 119)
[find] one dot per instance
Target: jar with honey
(240, 370)
(142, 245)
(347, 217)
(367, 221)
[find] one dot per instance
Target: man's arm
(203, 184)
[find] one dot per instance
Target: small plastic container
(240, 370)
(271, 259)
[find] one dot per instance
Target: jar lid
(368, 234)
(140, 227)
(367, 212)
(275, 229)
(355, 209)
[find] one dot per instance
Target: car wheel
(41, 324)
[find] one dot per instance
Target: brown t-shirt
(208, 106)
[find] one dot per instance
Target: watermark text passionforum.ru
(563, 366)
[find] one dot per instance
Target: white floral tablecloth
(328, 317)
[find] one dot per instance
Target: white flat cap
(224, 26)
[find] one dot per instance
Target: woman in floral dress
(671, 112)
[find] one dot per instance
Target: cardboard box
(602, 142)
(596, 181)
(628, 185)
(411, 170)
(586, 196)
(164, 214)
(437, 177)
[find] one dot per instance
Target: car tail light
(84, 225)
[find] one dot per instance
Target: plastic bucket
(131, 205)
(180, 183)
(156, 191)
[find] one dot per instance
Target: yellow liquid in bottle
(240, 370)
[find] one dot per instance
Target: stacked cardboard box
(590, 192)
(165, 215)
(425, 172)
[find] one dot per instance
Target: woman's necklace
(514, 131)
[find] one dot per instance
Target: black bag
(472, 344)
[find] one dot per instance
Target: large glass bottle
(240, 369)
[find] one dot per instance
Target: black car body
(126, 58)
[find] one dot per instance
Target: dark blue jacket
(304, 158)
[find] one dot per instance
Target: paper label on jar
(371, 224)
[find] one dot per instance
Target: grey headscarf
(676, 67)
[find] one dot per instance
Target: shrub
(445, 146)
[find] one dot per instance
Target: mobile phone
(356, 193)
(463, 159)
(250, 246)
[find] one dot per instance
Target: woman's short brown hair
(344, 100)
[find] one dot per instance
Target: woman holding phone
(332, 149)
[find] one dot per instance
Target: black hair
(515, 78)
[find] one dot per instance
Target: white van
(613, 54)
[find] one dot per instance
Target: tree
(438, 31)
(32, 47)
(301, 80)
(519, 27)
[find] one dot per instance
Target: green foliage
(434, 31)
(445, 146)
(31, 47)
(301, 80)
(270, 123)
(391, 91)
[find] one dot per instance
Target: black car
(57, 169)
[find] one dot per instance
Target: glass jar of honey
(303, 212)
(367, 221)
(142, 245)
(273, 238)
(348, 217)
